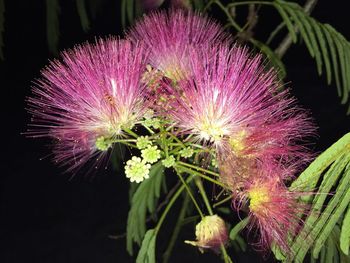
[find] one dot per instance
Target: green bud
(187, 152)
(137, 170)
(169, 162)
(103, 144)
(151, 154)
(142, 142)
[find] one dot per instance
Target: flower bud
(211, 233)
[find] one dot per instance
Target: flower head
(186, 152)
(235, 104)
(142, 142)
(169, 36)
(137, 169)
(92, 93)
(169, 161)
(211, 232)
(274, 211)
(151, 154)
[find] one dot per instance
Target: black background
(47, 216)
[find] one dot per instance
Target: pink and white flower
(88, 98)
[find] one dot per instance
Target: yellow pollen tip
(258, 197)
(237, 141)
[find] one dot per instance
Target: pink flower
(273, 210)
(170, 36)
(235, 104)
(86, 100)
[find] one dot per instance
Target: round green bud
(137, 170)
(169, 162)
(151, 154)
(187, 152)
(103, 144)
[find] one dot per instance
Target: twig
(252, 20)
(177, 229)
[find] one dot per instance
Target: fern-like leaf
(331, 170)
(327, 46)
(147, 252)
(345, 233)
(272, 58)
(143, 200)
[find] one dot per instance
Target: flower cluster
(179, 78)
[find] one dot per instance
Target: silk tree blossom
(273, 210)
(86, 100)
(235, 104)
(170, 35)
(211, 233)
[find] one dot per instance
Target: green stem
(130, 132)
(190, 171)
(229, 17)
(148, 129)
(170, 204)
(199, 168)
(199, 184)
(208, 5)
(177, 228)
(223, 201)
(190, 193)
(125, 142)
(176, 139)
(250, 3)
(201, 189)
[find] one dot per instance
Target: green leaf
(309, 23)
(147, 251)
(238, 228)
(293, 13)
(323, 42)
(273, 58)
(277, 252)
(52, 24)
(241, 243)
(324, 51)
(309, 177)
(330, 167)
(287, 21)
(333, 52)
(84, 19)
(144, 200)
(345, 233)
(2, 26)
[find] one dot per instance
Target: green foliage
(147, 252)
(273, 59)
(238, 228)
(331, 173)
(144, 199)
(345, 233)
(327, 46)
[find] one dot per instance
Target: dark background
(47, 216)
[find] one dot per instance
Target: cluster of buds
(179, 73)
